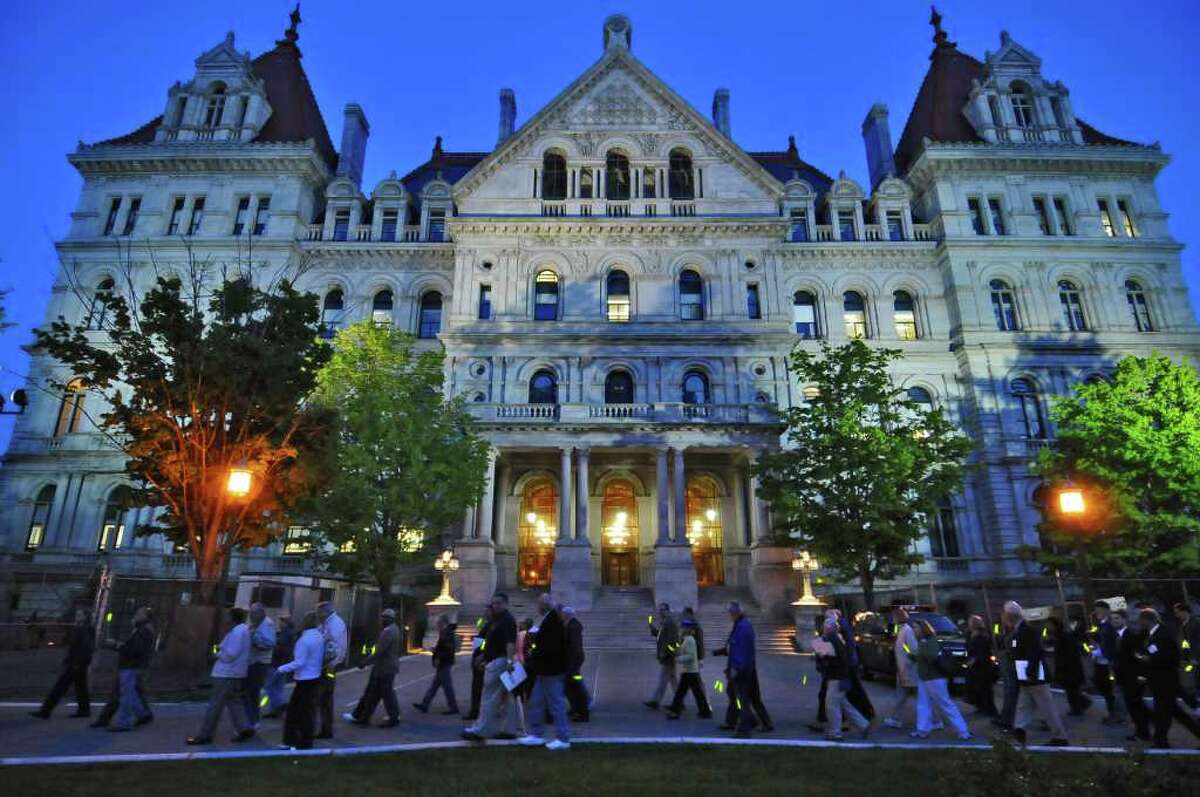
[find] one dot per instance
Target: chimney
(877, 139)
(355, 131)
(720, 114)
(508, 115)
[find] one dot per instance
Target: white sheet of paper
(1152, 649)
(512, 680)
(1022, 670)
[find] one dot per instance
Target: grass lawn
(631, 771)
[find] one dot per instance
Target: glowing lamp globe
(1071, 502)
(239, 482)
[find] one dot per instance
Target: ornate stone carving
(586, 143)
(649, 142)
(617, 104)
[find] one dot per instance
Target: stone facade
(617, 286)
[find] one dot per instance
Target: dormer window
(437, 224)
(216, 107)
(845, 220)
(1022, 106)
(387, 231)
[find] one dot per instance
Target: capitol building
(617, 285)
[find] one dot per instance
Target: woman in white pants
(933, 693)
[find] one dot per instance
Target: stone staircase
(617, 620)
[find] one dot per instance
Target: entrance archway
(619, 534)
(704, 531)
(537, 530)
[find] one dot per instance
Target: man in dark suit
(576, 690)
(1160, 657)
(1029, 661)
(1128, 670)
(81, 641)
(548, 662)
(1104, 654)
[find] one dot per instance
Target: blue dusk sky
(72, 71)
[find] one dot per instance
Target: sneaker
(348, 717)
(936, 726)
(892, 723)
(965, 737)
(919, 735)
(193, 740)
(532, 741)
(558, 744)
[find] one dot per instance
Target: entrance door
(618, 535)
(704, 532)
(537, 529)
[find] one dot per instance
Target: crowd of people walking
(529, 675)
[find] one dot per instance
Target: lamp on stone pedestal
(806, 565)
(808, 607)
(445, 564)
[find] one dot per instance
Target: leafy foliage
(196, 381)
(406, 461)
(863, 469)
(1133, 446)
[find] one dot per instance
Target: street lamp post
(1073, 505)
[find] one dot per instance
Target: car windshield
(941, 624)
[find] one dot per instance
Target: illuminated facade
(617, 285)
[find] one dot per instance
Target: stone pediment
(617, 103)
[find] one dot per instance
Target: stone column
(758, 532)
(664, 491)
(483, 526)
(680, 537)
(468, 525)
(772, 581)
(581, 497)
(564, 509)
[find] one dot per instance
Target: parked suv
(876, 637)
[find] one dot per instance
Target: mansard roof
(937, 113)
(452, 166)
(296, 116)
(787, 165)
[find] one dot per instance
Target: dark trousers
(1012, 691)
(1076, 699)
(72, 675)
(821, 718)
(325, 703)
(379, 687)
(476, 691)
(1163, 691)
(1188, 683)
(577, 695)
(114, 700)
(442, 680)
(745, 702)
(1132, 691)
(690, 681)
(298, 722)
(980, 692)
(858, 696)
(256, 675)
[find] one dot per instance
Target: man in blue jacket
(1104, 651)
(745, 699)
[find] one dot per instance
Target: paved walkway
(619, 681)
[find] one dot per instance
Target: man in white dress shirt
(333, 628)
(228, 675)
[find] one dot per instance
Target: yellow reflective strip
(1189, 668)
(263, 703)
(719, 685)
(215, 649)
(108, 617)
(578, 677)
(804, 680)
(1093, 629)
(1187, 645)
(738, 700)
(329, 675)
(996, 629)
(906, 649)
(650, 619)
(1045, 632)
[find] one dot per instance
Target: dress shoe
(1058, 743)
(651, 704)
(389, 723)
(450, 711)
(81, 714)
(243, 735)
(146, 720)
(421, 707)
(98, 724)
(324, 735)
(42, 715)
(725, 727)
(471, 736)
(508, 737)
(199, 740)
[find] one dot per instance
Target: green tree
(196, 379)
(863, 469)
(1132, 446)
(406, 461)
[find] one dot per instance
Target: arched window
(1136, 296)
(1026, 397)
(112, 522)
(430, 322)
(331, 313)
(804, 314)
(617, 288)
(586, 191)
(943, 537)
(619, 534)
(554, 176)
(98, 311)
(695, 388)
(543, 388)
(1072, 306)
(537, 530)
(40, 518)
(1022, 105)
(1004, 306)
(616, 175)
(703, 530)
(905, 315)
(618, 388)
(691, 296)
(216, 107)
(70, 411)
(922, 398)
(381, 309)
(854, 314)
(679, 178)
(545, 296)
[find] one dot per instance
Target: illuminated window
(905, 315)
(331, 313)
(618, 388)
(112, 523)
(40, 518)
(679, 178)
(691, 296)
(543, 388)
(617, 287)
(1136, 296)
(381, 309)
(1126, 218)
(811, 393)
(1106, 218)
(429, 322)
(695, 388)
(537, 530)
(804, 314)
(616, 176)
(1034, 423)
(704, 531)
(1004, 306)
(545, 296)
(70, 411)
(410, 540)
(1070, 298)
(854, 314)
(554, 176)
(297, 541)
